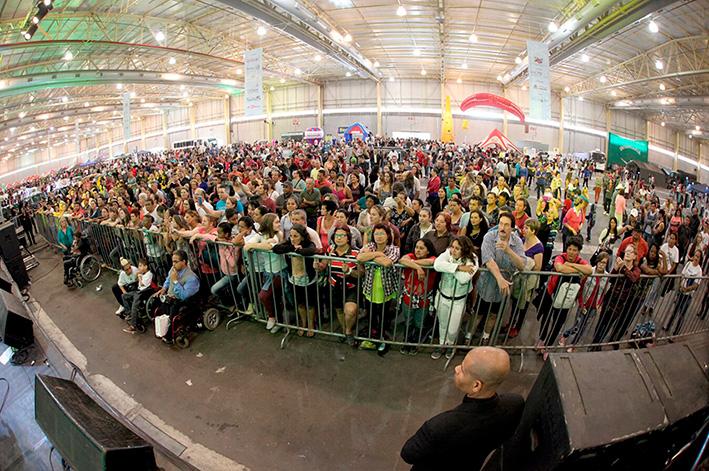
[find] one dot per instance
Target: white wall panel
(298, 97)
(297, 124)
(249, 132)
(332, 122)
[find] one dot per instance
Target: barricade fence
(380, 305)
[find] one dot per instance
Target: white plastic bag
(566, 295)
(162, 323)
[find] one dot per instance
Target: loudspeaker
(627, 409)
(17, 269)
(15, 325)
(9, 244)
(5, 281)
(84, 434)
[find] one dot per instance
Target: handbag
(162, 323)
(566, 295)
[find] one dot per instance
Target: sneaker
(249, 310)
(436, 354)
(413, 351)
(271, 323)
(130, 330)
(404, 350)
(276, 329)
(120, 311)
(350, 340)
(450, 353)
(368, 345)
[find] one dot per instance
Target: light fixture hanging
(662, 87)
(602, 79)
(518, 60)
(417, 52)
(172, 61)
(567, 89)
(585, 58)
(459, 80)
(552, 27)
(401, 11)
(68, 56)
(261, 31)
(317, 58)
(653, 27)
(465, 65)
(159, 36)
(423, 72)
(659, 65)
(473, 38)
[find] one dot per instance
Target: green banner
(622, 150)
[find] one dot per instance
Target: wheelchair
(85, 269)
(191, 317)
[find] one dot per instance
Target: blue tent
(356, 128)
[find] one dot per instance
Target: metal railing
(315, 295)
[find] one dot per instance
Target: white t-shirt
(689, 274)
(671, 253)
(145, 280)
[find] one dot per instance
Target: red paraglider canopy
(497, 138)
(488, 99)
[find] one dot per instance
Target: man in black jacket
(461, 439)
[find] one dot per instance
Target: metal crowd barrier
(413, 313)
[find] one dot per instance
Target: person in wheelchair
(180, 286)
(79, 249)
(134, 299)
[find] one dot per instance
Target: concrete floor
(317, 404)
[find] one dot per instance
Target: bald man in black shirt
(461, 439)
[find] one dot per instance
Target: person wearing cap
(127, 281)
(637, 241)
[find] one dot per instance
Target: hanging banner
(253, 99)
(126, 117)
(622, 150)
(539, 84)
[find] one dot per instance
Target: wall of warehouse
(407, 105)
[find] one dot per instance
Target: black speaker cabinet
(9, 244)
(5, 281)
(83, 433)
(617, 410)
(18, 270)
(15, 324)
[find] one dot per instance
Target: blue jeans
(577, 330)
(223, 283)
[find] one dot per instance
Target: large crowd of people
(433, 231)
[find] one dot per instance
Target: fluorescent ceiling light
(659, 65)
(552, 27)
(585, 58)
(652, 26)
(401, 11)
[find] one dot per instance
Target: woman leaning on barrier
(691, 274)
(303, 276)
(418, 288)
(342, 278)
(381, 281)
(457, 265)
(619, 305)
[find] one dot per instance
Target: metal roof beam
(302, 25)
(589, 31)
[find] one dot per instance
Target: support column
(193, 121)
(142, 133)
(269, 120)
(379, 108)
(504, 115)
(699, 162)
(78, 141)
(165, 138)
(675, 163)
(321, 102)
(561, 126)
(647, 131)
(227, 120)
(608, 126)
(110, 142)
(126, 121)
